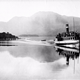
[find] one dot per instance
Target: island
(6, 36)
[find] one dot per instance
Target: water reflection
(72, 52)
(26, 61)
(6, 43)
(38, 52)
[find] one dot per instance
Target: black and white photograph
(39, 39)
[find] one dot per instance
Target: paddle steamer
(68, 38)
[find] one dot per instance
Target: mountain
(41, 23)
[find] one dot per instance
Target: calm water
(21, 61)
(41, 53)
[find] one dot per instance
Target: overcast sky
(12, 8)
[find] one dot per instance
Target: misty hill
(41, 23)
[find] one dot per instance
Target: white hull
(72, 45)
(67, 42)
(67, 49)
